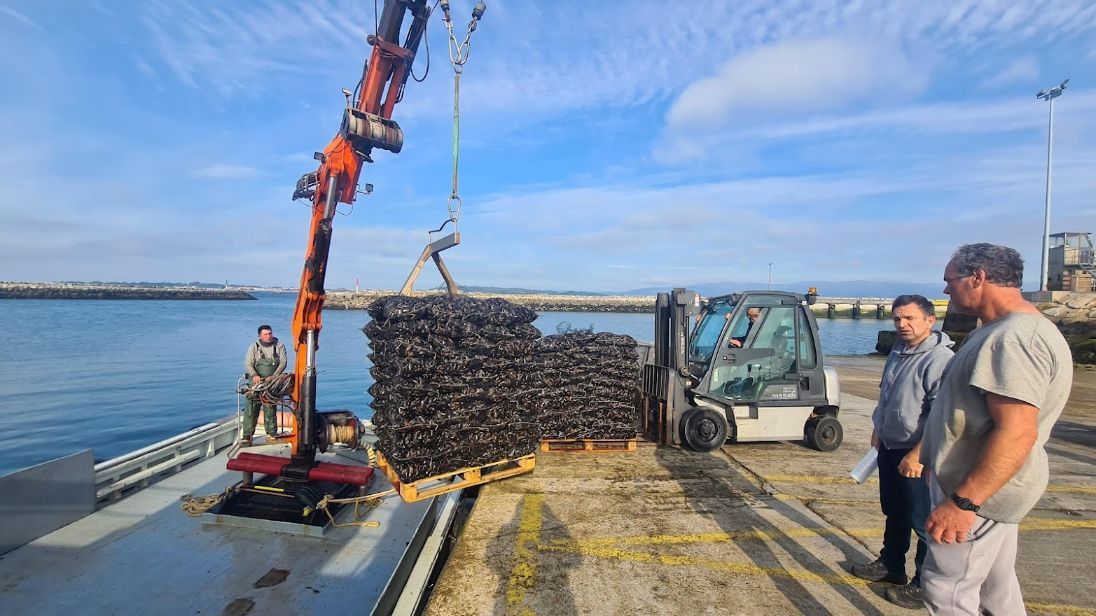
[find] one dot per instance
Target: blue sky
(606, 146)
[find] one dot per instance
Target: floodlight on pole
(1049, 94)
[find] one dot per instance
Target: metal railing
(138, 469)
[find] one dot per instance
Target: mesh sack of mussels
(586, 386)
(451, 382)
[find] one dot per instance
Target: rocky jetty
(362, 300)
(29, 290)
(1075, 316)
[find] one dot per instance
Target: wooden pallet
(455, 480)
(597, 445)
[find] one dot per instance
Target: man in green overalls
(264, 359)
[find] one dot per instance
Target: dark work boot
(906, 595)
(876, 571)
(245, 442)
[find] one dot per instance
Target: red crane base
(323, 471)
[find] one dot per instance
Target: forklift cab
(757, 347)
(753, 372)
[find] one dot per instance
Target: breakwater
(361, 300)
(20, 290)
(836, 308)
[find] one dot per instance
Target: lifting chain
(459, 52)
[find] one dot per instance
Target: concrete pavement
(753, 529)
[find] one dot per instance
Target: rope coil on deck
(195, 506)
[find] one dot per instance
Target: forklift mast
(674, 314)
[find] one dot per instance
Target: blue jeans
(905, 503)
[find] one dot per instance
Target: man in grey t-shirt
(983, 441)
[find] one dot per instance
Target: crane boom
(366, 124)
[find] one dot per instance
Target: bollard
(879, 310)
(831, 311)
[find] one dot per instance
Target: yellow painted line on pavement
(843, 479)
(1056, 608)
(750, 535)
(524, 571)
(721, 566)
(1029, 524)
(828, 479)
(1055, 524)
(1058, 487)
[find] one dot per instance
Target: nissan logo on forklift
(742, 367)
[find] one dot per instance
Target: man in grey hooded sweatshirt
(911, 379)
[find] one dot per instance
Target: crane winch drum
(368, 130)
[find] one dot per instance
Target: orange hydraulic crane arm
(366, 124)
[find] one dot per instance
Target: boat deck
(143, 554)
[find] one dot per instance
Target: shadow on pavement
(532, 580)
(714, 487)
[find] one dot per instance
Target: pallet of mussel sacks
(451, 403)
(588, 399)
(455, 480)
(592, 445)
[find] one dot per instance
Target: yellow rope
(195, 506)
(369, 501)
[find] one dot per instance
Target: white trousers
(975, 577)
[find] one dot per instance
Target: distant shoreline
(542, 302)
(361, 300)
(19, 290)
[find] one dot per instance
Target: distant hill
(826, 288)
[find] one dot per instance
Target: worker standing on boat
(911, 379)
(264, 359)
(983, 443)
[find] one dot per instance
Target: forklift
(739, 368)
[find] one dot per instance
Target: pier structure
(862, 307)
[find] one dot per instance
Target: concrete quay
(753, 529)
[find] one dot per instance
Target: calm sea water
(118, 375)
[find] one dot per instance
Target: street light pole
(770, 284)
(1049, 95)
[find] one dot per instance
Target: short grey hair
(1003, 265)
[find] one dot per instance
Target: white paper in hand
(866, 467)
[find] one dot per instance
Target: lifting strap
(458, 56)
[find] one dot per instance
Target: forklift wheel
(704, 429)
(823, 433)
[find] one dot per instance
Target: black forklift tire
(704, 429)
(823, 433)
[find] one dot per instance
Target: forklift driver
(752, 315)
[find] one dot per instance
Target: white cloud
(145, 68)
(796, 76)
(17, 16)
(1024, 69)
(226, 172)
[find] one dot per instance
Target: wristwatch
(964, 503)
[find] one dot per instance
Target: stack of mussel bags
(462, 382)
(585, 386)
